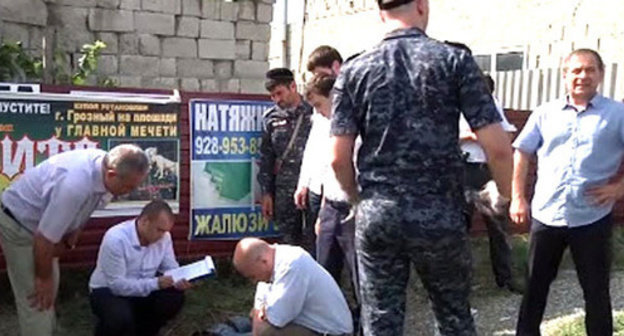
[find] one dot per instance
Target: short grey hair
(127, 159)
(584, 51)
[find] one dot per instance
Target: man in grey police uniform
(404, 99)
(280, 163)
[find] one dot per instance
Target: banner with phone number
(225, 146)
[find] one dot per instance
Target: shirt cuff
(154, 285)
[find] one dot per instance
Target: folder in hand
(192, 271)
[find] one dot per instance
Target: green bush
(16, 65)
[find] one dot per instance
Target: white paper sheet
(192, 271)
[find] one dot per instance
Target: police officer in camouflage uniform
(404, 99)
(286, 128)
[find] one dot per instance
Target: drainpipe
(285, 58)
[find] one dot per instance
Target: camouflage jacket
(279, 125)
(404, 98)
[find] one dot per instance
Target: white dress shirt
(126, 267)
(315, 158)
(60, 194)
(475, 151)
(303, 292)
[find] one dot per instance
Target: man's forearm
(502, 170)
(342, 164)
(345, 174)
(520, 172)
(43, 251)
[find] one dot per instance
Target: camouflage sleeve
(266, 178)
(343, 119)
(475, 102)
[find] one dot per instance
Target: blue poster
(225, 145)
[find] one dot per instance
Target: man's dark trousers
(590, 246)
(129, 316)
(476, 176)
(335, 244)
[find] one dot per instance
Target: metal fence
(527, 89)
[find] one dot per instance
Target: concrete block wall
(195, 45)
(546, 30)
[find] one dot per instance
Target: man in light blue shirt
(42, 214)
(295, 295)
(579, 144)
(128, 296)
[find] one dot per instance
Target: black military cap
(389, 4)
(280, 74)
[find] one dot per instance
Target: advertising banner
(34, 127)
(225, 145)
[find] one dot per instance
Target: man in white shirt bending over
(42, 214)
(127, 295)
(295, 295)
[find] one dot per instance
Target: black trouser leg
(546, 248)
(328, 251)
(115, 314)
(311, 213)
(153, 311)
(500, 248)
(591, 251)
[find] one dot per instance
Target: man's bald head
(253, 258)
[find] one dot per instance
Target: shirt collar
(98, 175)
(594, 103)
(275, 261)
(134, 234)
(403, 32)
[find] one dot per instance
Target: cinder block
(179, 47)
(155, 23)
(138, 65)
(217, 30)
(217, 49)
(111, 20)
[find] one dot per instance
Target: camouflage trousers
(292, 222)
(430, 234)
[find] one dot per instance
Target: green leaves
(16, 65)
(88, 62)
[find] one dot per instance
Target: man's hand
(67, 243)
(267, 206)
(605, 194)
(165, 281)
(43, 297)
(71, 239)
(183, 285)
(301, 197)
(317, 226)
(519, 210)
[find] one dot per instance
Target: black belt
(8, 212)
(339, 205)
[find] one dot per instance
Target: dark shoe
(513, 287)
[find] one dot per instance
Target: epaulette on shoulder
(459, 45)
(352, 57)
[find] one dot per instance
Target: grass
(484, 279)
(574, 325)
(212, 300)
